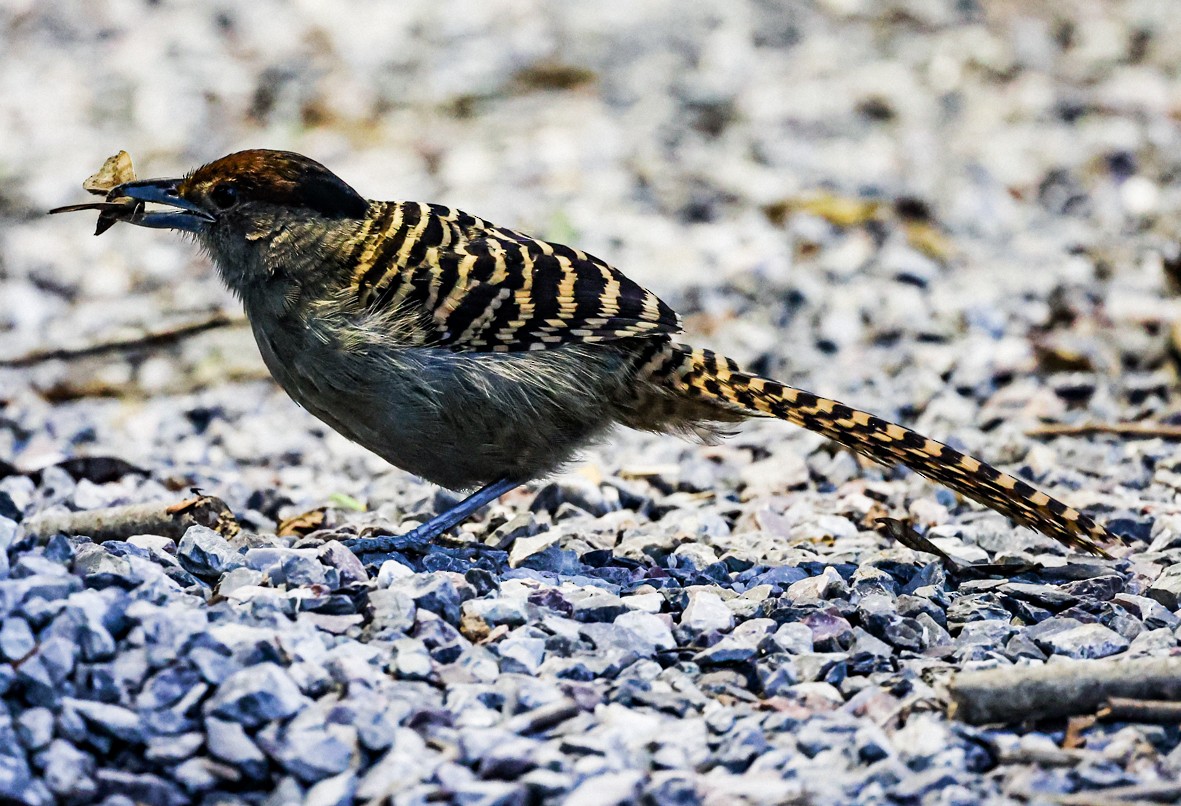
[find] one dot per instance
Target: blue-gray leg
(421, 536)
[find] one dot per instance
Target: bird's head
(238, 205)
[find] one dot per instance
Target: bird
(480, 358)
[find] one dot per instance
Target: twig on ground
(1026, 693)
(1128, 429)
(150, 340)
(1154, 793)
(120, 523)
(1125, 709)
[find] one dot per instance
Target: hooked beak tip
(160, 191)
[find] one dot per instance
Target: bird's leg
(437, 525)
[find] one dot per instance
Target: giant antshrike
(478, 357)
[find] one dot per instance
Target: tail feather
(703, 374)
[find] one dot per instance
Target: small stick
(1142, 430)
(152, 339)
(1154, 793)
(1125, 709)
(120, 523)
(542, 717)
(1025, 693)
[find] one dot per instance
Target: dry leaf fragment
(302, 524)
(115, 171)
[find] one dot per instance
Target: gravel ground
(957, 216)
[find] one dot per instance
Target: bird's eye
(224, 196)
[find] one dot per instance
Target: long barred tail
(705, 375)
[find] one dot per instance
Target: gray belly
(456, 419)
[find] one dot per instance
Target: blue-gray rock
(122, 723)
(100, 568)
(68, 772)
(393, 612)
(1151, 612)
(308, 750)
(351, 570)
(44, 673)
(1166, 588)
(438, 593)
(412, 660)
(337, 790)
(229, 742)
(140, 787)
(197, 774)
(16, 778)
(489, 793)
(34, 728)
(706, 612)
(81, 622)
(294, 567)
(596, 605)
(256, 694)
(521, 654)
(16, 639)
(651, 629)
(497, 611)
(608, 789)
(173, 748)
(728, 650)
(977, 607)
(777, 674)
(167, 686)
(28, 565)
(206, 554)
(28, 593)
(1085, 641)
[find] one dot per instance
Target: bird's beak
(185, 215)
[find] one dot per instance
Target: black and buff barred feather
(705, 374)
(475, 355)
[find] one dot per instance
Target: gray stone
(239, 578)
(391, 571)
(652, 629)
(706, 612)
(35, 728)
(489, 793)
(15, 779)
(815, 589)
(791, 637)
(608, 789)
(309, 751)
(526, 547)
(522, 525)
(412, 660)
(172, 749)
(436, 592)
(1151, 612)
(349, 568)
(229, 742)
(497, 611)
(206, 554)
(521, 654)
(101, 568)
(1166, 588)
(1085, 641)
(67, 771)
(393, 612)
(596, 605)
(122, 723)
(337, 790)
(16, 638)
(256, 694)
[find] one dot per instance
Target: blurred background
(958, 213)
